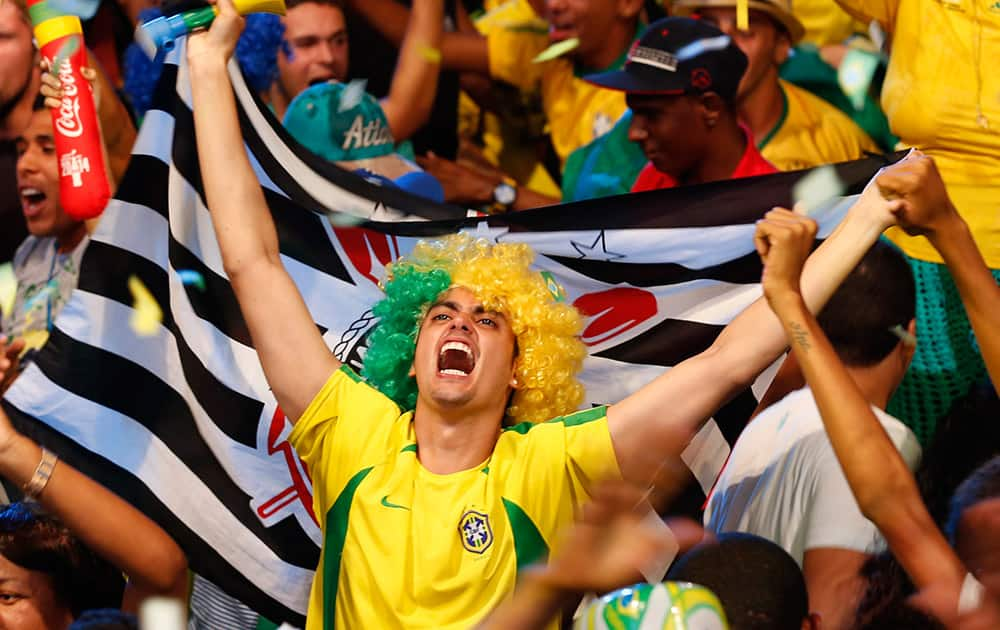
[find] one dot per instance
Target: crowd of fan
(840, 506)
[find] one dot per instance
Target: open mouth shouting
(32, 200)
(560, 30)
(456, 359)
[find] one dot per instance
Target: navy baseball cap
(679, 55)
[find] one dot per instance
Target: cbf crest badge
(475, 531)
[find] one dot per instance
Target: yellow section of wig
(550, 353)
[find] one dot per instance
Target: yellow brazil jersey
(942, 95)
(406, 548)
(825, 22)
(576, 111)
(812, 132)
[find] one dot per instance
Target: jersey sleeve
(340, 433)
(550, 467)
(590, 454)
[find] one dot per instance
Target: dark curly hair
(36, 541)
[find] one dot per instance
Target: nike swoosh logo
(386, 503)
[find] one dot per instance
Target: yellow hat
(781, 10)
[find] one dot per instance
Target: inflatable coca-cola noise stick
(83, 183)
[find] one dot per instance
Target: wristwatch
(504, 195)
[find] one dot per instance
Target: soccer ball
(667, 606)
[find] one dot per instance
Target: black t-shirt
(12, 228)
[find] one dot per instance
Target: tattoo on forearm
(800, 335)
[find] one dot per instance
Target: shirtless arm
(295, 359)
(659, 419)
(927, 210)
(461, 51)
(117, 531)
(414, 83)
(878, 476)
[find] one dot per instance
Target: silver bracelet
(42, 474)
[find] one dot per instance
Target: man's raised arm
(295, 359)
(659, 420)
(462, 52)
(879, 478)
(122, 535)
(927, 210)
(415, 80)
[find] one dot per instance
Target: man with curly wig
(454, 460)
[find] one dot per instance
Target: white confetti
(700, 46)
(855, 76)
(817, 187)
(161, 613)
(8, 288)
(344, 219)
(352, 95)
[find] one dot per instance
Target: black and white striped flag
(182, 423)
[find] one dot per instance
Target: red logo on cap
(701, 79)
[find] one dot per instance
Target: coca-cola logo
(68, 123)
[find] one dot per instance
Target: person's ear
(782, 46)
(711, 106)
(909, 349)
(628, 9)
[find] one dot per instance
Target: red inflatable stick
(83, 183)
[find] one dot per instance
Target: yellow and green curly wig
(550, 353)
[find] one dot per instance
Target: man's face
(465, 355)
(38, 178)
(765, 44)
(27, 601)
(17, 55)
(589, 20)
(317, 43)
(670, 130)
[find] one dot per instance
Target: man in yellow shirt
(510, 127)
(793, 128)
(576, 112)
(458, 460)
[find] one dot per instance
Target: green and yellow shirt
(407, 548)
(812, 132)
(576, 111)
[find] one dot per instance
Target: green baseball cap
(337, 128)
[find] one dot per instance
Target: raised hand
(51, 87)
(612, 541)
(462, 184)
(218, 41)
(783, 240)
(923, 205)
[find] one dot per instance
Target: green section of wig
(549, 351)
(394, 340)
